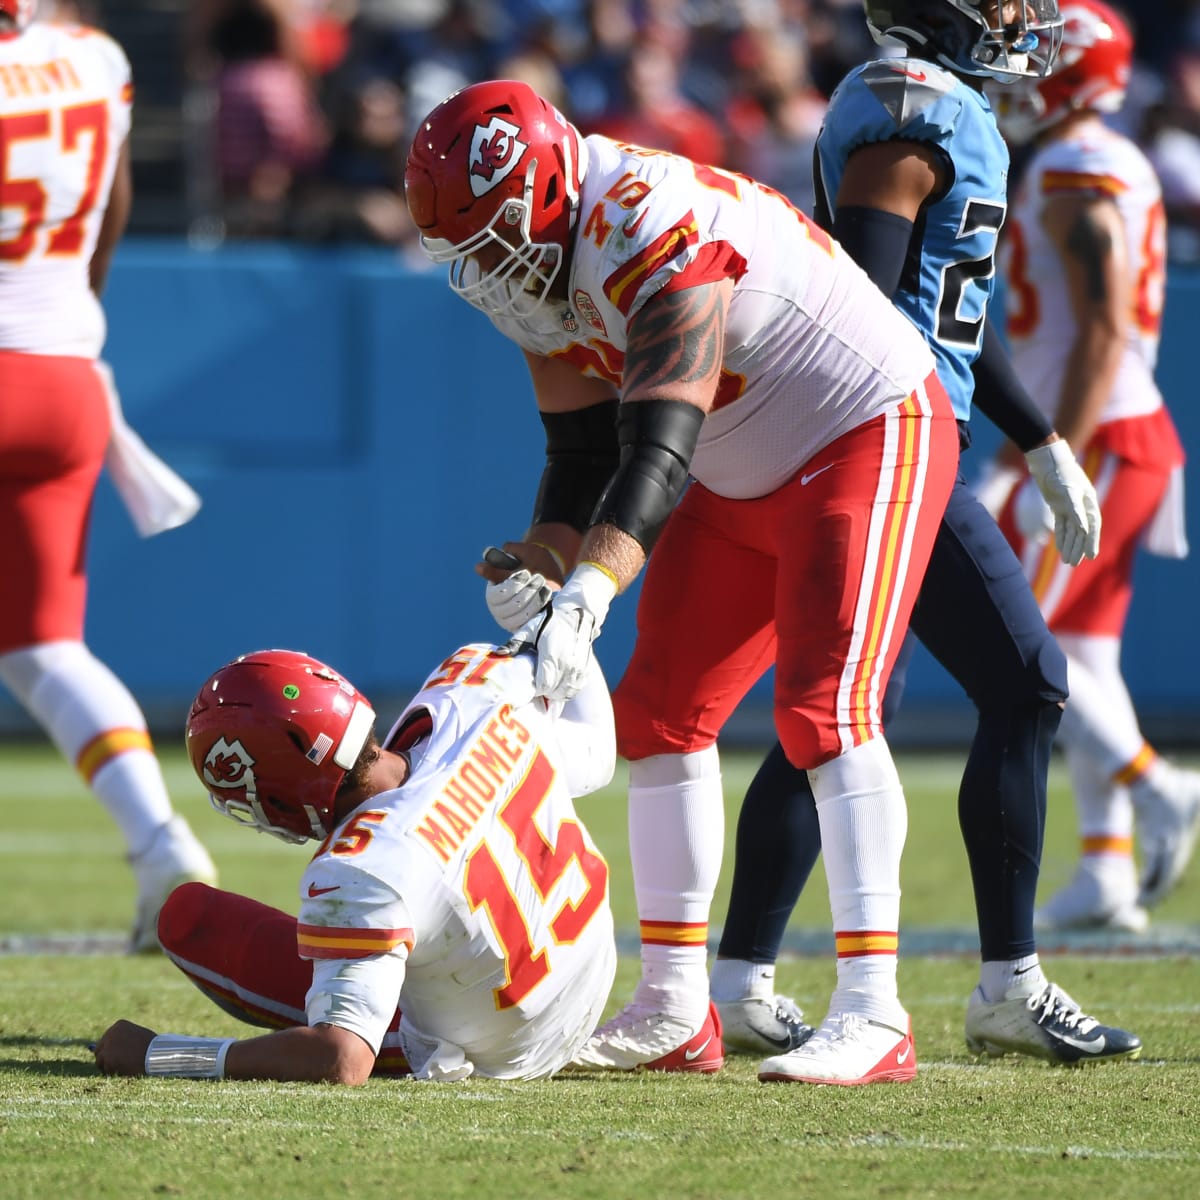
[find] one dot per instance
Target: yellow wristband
(591, 562)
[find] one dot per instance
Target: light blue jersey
(947, 279)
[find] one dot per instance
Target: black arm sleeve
(582, 452)
(878, 241)
(658, 439)
(1002, 398)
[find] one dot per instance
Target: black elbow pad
(582, 453)
(658, 439)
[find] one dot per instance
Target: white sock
(737, 979)
(864, 821)
(97, 725)
(676, 841)
(995, 978)
(1104, 808)
(1099, 717)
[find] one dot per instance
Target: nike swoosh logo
(690, 1055)
(805, 480)
(1093, 1047)
(919, 76)
(634, 223)
(314, 891)
(902, 1057)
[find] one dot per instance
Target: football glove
(518, 599)
(1072, 499)
(563, 632)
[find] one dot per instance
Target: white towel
(155, 497)
(1166, 534)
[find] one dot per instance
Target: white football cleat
(1102, 894)
(1166, 809)
(847, 1049)
(762, 1025)
(174, 856)
(1044, 1023)
(639, 1038)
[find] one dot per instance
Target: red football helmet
(20, 11)
(492, 183)
(271, 736)
(1091, 72)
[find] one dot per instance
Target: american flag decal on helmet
(320, 747)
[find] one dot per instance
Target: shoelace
(787, 1011)
(1057, 1006)
(845, 1028)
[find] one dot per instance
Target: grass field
(985, 1129)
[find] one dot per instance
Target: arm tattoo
(1091, 243)
(676, 342)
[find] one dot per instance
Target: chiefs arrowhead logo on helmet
(227, 765)
(496, 149)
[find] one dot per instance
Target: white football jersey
(480, 866)
(1096, 161)
(812, 348)
(65, 103)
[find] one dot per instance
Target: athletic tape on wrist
(172, 1054)
(554, 554)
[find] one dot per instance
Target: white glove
(995, 485)
(562, 634)
(518, 599)
(1072, 500)
(1032, 514)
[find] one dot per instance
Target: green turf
(992, 1129)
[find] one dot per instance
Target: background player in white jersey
(677, 319)
(1086, 275)
(455, 918)
(65, 99)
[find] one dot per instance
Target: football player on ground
(66, 187)
(678, 319)
(1086, 277)
(454, 920)
(911, 180)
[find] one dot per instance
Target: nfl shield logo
(588, 311)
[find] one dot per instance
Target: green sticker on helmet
(290, 691)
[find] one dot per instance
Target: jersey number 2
(952, 328)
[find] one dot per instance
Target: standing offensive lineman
(65, 191)
(677, 319)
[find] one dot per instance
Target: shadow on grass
(43, 1063)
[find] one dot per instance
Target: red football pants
(54, 430)
(818, 577)
(242, 955)
(1093, 598)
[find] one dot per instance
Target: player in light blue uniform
(912, 176)
(947, 276)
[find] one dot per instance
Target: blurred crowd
(313, 103)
